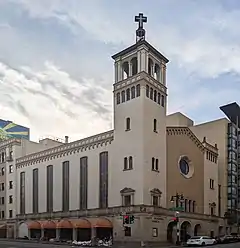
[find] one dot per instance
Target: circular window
(185, 167)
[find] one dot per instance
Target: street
(23, 244)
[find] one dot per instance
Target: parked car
(226, 239)
(201, 241)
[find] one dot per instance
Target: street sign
(177, 209)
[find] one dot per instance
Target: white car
(201, 241)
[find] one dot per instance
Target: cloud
(52, 100)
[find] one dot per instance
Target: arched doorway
(197, 230)
(185, 231)
(170, 230)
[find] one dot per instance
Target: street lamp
(178, 198)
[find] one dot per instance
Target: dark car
(225, 239)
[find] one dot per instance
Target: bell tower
(140, 100)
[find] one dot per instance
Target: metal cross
(140, 19)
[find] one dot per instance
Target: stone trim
(6, 143)
(127, 191)
(113, 211)
(156, 191)
(102, 139)
(186, 131)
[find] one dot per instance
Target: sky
(56, 71)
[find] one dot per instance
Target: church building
(127, 183)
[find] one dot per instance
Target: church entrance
(185, 231)
(170, 232)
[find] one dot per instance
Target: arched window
(151, 93)
(130, 163)
(125, 68)
(125, 163)
(147, 91)
(154, 125)
(118, 98)
(150, 67)
(123, 95)
(157, 72)
(155, 96)
(128, 124)
(133, 92)
(193, 206)
(138, 90)
(153, 163)
(163, 101)
(159, 99)
(128, 94)
(134, 65)
(189, 205)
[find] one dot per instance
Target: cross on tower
(140, 32)
(140, 19)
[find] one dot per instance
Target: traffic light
(126, 219)
(132, 219)
(175, 220)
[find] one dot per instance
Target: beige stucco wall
(192, 188)
(178, 120)
(216, 133)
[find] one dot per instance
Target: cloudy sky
(56, 71)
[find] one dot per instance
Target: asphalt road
(13, 244)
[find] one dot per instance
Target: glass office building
(232, 111)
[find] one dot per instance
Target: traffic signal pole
(178, 242)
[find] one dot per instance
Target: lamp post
(179, 198)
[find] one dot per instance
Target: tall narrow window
(49, 188)
(123, 95)
(138, 90)
(128, 94)
(159, 99)
(156, 165)
(155, 96)
(151, 93)
(128, 124)
(118, 98)
(125, 163)
(130, 163)
(163, 101)
(154, 125)
(193, 206)
(83, 183)
(35, 191)
(103, 187)
(189, 205)
(153, 163)
(133, 92)
(65, 186)
(22, 193)
(147, 91)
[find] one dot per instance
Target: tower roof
(135, 46)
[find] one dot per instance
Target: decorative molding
(174, 131)
(127, 191)
(156, 191)
(90, 143)
(6, 143)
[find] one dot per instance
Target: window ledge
(127, 169)
(155, 131)
(156, 171)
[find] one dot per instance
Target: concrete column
(116, 72)
(74, 234)
(139, 60)
(130, 69)
(143, 60)
(119, 71)
(93, 236)
(57, 233)
(146, 62)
